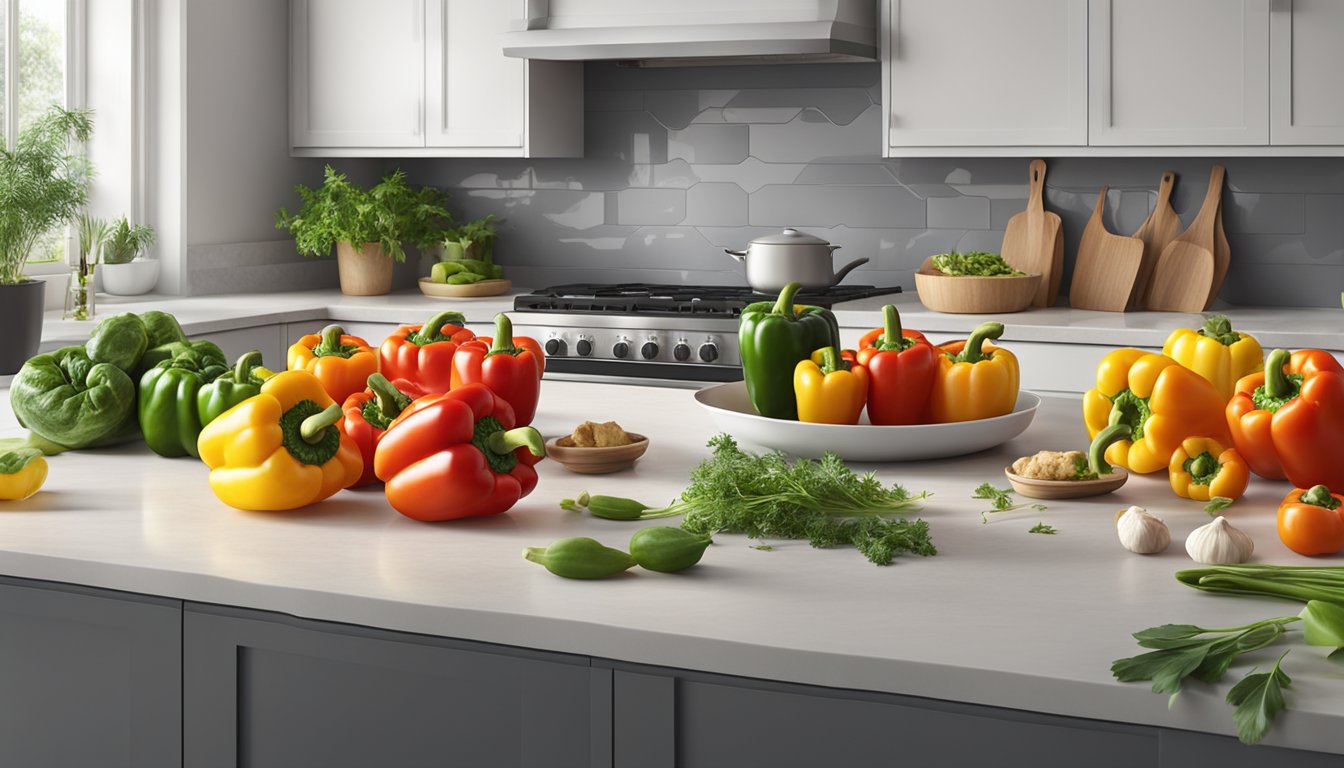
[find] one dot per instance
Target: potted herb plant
(125, 271)
(366, 227)
(43, 185)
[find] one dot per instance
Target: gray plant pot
(21, 317)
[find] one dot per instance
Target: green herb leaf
(1001, 499)
(1217, 503)
(1323, 624)
(1168, 632)
(763, 547)
(1043, 528)
(1259, 699)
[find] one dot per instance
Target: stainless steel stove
(652, 333)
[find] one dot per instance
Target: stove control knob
(584, 347)
(682, 352)
(649, 350)
(620, 350)
(709, 352)
(555, 347)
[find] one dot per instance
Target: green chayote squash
(69, 399)
(120, 340)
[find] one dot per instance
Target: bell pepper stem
(520, 437)
(784, 304)
(1096, 452)
(312, 428)
(1219, 327)
(503, 343)
(973, 352)
(242, 370)
(1319, 495)
(331, 336)
(892, 339)
(1276, 382)
(1203, 465)
(391, 401)
(432, 327)
(830, 360)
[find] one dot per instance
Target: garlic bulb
(1218, 543)
(1141, 531)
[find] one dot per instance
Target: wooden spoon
(1033, 241)
(1156, 231)
(1183, 277)
(1107, 265)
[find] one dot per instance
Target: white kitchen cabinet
(425, 78)
(1306, 62)
(1178, 74)
(966, 73)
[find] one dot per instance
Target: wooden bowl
(596, 461)
(464, 291)
(1066, 489)
(973, 295)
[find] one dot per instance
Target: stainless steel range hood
(696, 32)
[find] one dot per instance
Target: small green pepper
(465, 278)
(580, 558)
(667, 550)
(440, 272)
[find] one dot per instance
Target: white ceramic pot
(774, 261)
(130, 279)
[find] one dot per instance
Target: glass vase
(79, 295)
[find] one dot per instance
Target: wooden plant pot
(364, 271)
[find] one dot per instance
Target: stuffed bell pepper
(343, 363)
(423, 354)
(773, 337)
(975, 379)
(511, 366)
(1288, 421)
(902, 367)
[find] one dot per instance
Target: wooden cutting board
(1033, 242)
(1159, 229)
(1184, 274)
(1107, 265)
(1222, 258)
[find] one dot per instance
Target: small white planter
(130, 279)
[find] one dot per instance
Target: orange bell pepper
(829, 391)
(1201, 468)
(423, 354)
(1216, 352)
(1311, 522)
(1282, 435)
(975, 379)
(1162, 402)
(342, 363)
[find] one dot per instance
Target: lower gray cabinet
(88, 677)
(271, 691)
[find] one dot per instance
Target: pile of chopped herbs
(974, 264)
(823, 501)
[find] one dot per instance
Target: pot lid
(790, 236)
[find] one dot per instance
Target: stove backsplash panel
(681, 163)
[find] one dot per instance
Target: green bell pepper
(772, 338)
(120, 340)
(71, 400)
(161, 328)
(205, 350)
(239, 383)
(167, 408)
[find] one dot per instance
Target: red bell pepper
(1288, 420)
(900, 374)
(367, 414)
(423, 354)
(510, 366)
(456, 455)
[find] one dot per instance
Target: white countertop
(999, 617)
(1273, 326)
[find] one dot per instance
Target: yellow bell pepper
(280, 449)
(1216, 352)
(828, 389)
(975, 379)
(1202, 468)
(1162, 402)
(22, 473)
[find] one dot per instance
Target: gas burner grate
(674, 300)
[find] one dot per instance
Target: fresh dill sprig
(1043, 528)
(1001, 499)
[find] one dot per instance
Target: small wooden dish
(1066, 489)
(596, 461)
(464, 291)
(974, 295)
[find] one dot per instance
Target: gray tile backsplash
(681, 163)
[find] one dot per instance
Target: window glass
(41, 76)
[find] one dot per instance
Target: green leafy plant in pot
(124, 270)
(43, 185)
(367, 227)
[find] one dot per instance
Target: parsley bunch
(825, 502)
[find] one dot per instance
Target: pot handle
(737, 255)
(845, 270)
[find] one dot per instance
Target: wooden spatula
(1107, 265)
(1159, 229)
(1033, 242)
(1184, 273)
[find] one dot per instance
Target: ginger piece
(607, 434)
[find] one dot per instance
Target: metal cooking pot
(774, 261)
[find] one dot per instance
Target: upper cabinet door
(967, 73)
(475, 95)
(357, 73)
(1193, 72)
(1306, 65)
